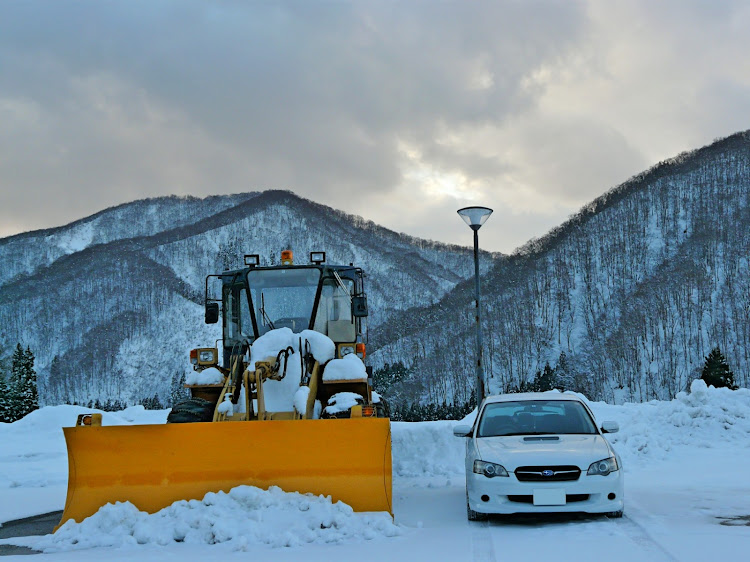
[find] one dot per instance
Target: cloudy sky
(400, 112)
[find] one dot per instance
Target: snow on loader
(292, 379)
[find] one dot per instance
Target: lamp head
(475, 217)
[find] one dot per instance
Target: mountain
(624, 300)
(111, 304)
(140, 218)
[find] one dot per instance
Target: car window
(535, 417)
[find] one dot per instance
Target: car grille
(570, 498)
(564, 473)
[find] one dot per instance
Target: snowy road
(686, 489)
(660, 524)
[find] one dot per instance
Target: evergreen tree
(563, 374)
(15, 384)
(4, 392)
(387, 381)
(4, 362)
(5, 400)
(152, 403)
(177, 391)
(546, 380)
(28, 393)
(716, 371)
(20, 395)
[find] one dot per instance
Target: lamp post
(475, 217)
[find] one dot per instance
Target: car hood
(517, 450)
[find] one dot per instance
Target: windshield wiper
(266, 319)
(341, 285)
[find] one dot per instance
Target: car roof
(549, 395)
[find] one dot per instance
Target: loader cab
(329, 299)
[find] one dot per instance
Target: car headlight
(489, 469)
(603, 467)
(345, 350)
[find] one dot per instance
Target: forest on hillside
(633, 291)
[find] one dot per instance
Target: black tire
(615, 514)
(191, 411)
(472, 515)
(382, 410)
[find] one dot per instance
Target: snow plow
(284, 400)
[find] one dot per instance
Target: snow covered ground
(687, 497)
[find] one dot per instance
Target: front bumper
(505, 495)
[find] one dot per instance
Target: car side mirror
(212, 312)
(610, 427)
(462, 430)
(359, 306)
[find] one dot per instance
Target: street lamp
(475, 217)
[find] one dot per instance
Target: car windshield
(283, 298)
(535, 417)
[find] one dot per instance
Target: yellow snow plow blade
(153, 466)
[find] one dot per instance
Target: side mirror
(462, 430)
(359, 306)
(610, 427)
(212, 312)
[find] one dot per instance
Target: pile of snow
(707, 417)
(243, 518)
(424, 449)
(270, 343)
(212, 375)
(349, 367)
(279, 396)
(300, 402)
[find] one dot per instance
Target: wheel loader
(291, 417)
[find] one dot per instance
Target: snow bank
(707, 417)
(52, 418)
(426, 449)
(245, 517)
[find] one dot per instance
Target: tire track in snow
(641, 537)
(481, 542)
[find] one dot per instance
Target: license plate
(549, 496)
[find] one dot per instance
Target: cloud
(531, 108)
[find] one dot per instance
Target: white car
(540, 452)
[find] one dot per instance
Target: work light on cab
(204, 357)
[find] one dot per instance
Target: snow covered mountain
(624, 300)
(139, 218)
(111, 304)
